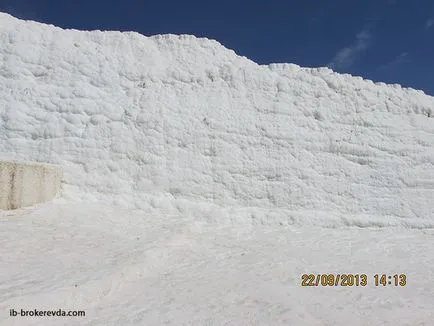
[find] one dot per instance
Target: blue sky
(383, 40)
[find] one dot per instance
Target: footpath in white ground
(130, 268)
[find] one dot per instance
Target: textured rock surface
(132, 118)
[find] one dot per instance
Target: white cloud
(429, 23)
(346, 56)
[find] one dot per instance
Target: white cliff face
(134, 118)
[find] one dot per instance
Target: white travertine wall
(24, 184)
(133, 119)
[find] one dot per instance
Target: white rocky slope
(166, 121)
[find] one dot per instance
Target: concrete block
(24, 184)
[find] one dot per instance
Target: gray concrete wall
(24, 184)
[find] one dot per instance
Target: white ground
(223, 183)
(126, 268)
